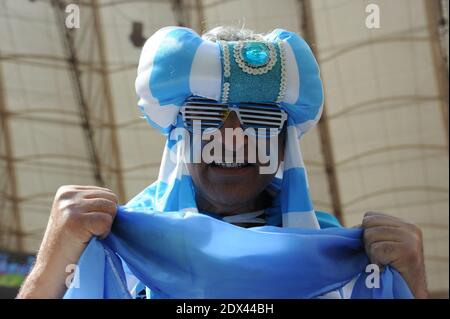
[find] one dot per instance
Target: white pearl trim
(226, 92)
(282, 91)
(226, 59)
(226, 71)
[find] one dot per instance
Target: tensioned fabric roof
(69, 116)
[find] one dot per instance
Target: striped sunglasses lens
(262, 118)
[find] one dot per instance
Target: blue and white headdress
(177, 63)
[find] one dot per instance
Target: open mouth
(230, 165)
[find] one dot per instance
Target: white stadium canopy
(69, 115)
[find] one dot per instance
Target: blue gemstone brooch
(255, 57)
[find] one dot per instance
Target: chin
(232, 195)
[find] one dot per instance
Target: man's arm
(78, 213)
(391, 241)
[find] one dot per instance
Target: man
(229, 79)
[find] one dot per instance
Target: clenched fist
(391, 241)
(83, 211)
(77, 214)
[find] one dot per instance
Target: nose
(232, 122)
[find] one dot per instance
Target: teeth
(230, 165)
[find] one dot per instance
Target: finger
(384, 233)
(92, 187)
(370, 213)
(101, 194)
(99, 205)
(97, 223)
(384, 252)
(378, 220)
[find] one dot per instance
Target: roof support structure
(180, 13)
(102, 141)
(308, 31)
(201, 22)
(434, 16)
(10, 193)
(109, 104)
(72, 59)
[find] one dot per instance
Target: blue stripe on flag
(295, 194)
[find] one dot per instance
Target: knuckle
(102, 222)
(410, 254)
(108, 195)
(368, 234)
(70, 219)
(381, 252)
(413, 248)
(68, 205)
(113, 211)
(368, 222)
(385, 230)
(416, 241)
(388, 249)
(61, 191)
(366, 217)
(378, 232)
(369, 213)
(374, 249)
(96, 202)
(381, 248)
(116, 198)
(419, 234)
(415, 230)
(104, 205)
(372, 213)
(65, 192)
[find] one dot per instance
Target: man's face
(229, 188)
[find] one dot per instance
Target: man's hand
(78, 213)
(391, 241)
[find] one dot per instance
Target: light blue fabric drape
(191, 255)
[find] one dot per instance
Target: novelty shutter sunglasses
(211, 115)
